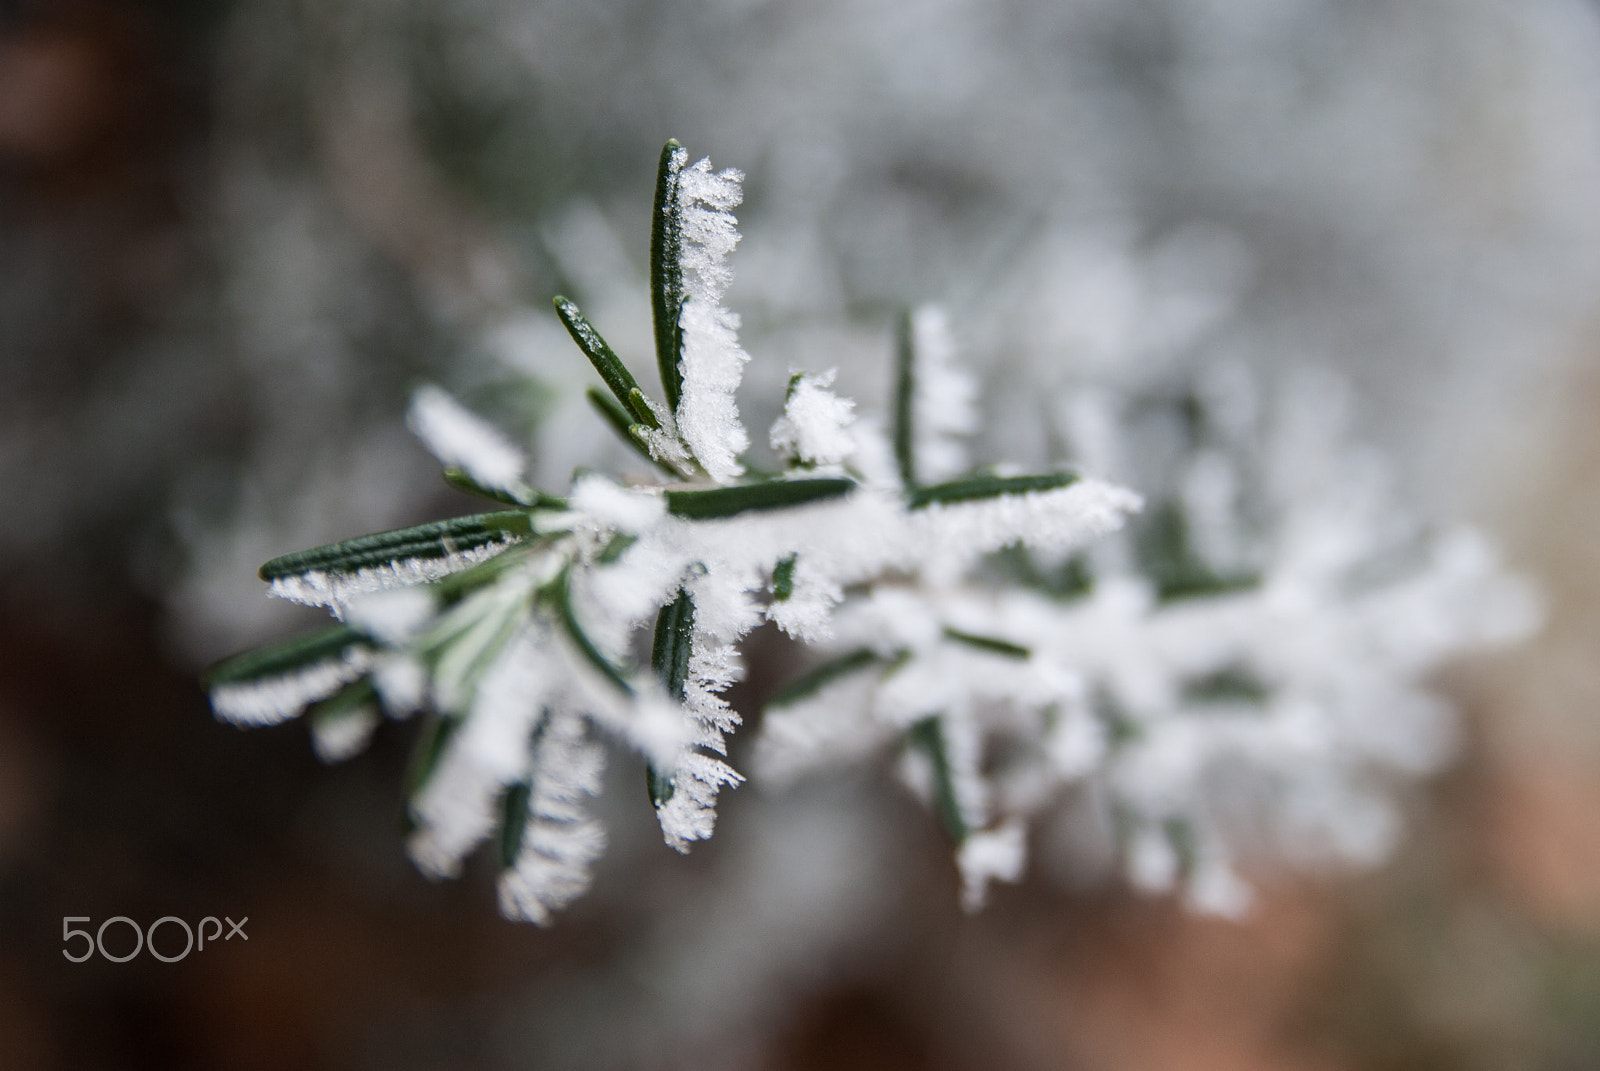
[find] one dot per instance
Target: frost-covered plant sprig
(512, 630)
(1239, 675)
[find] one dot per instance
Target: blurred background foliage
(233, 234)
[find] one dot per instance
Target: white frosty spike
(459, 437)
(990, 855)
(945, 398)
(335, 589)
(270, 700)
(691, 813)
(561, 842)
(712, 361)
(815, 426)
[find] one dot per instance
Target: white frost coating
(479, 630)
(335, 590)
(697, 778)
(456, 808)
(805, 613)
(561, 841)
(344, 737)
(963, 746)
(1076, 744)
(873, 457)
(271, 700)
(944, 398)
(621, 509)
(712, 361)
(459, 437)
(391, 616)
(691, 813)
(958, 533)
(646, 720)
(627, 592)
(990, 855)
(815, 425)
(654, 725)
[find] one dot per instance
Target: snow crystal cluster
(1209, 670)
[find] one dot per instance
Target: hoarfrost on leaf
(945, 398)
(815, 426)
(712, 361)
(460, 438)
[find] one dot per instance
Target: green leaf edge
(928, 734)
(716, 502)
(331, 641)
(436, 539)
(666, 273)
(812, 682)
(975, 488)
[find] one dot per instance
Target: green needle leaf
(620, 420)
(461, 481)
(457, 586)
(1168, 559)
(783, 579)
(438, 539)
(1230, 684)
(813, 682)
(928, 734)
(659, 785)
(460, 655)
(353, 697)
(669, 657)
(627, 430)
(615, 547)
(674, 642)
(426, 752)
(513, 820)
(319, 646)
(639, 405)
(973, 488)
(666, 271)
(905, 400)
(776, 494)
(992, 644)
(521, 495)
(606, 362)
(1065, 581)
(559, 591)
